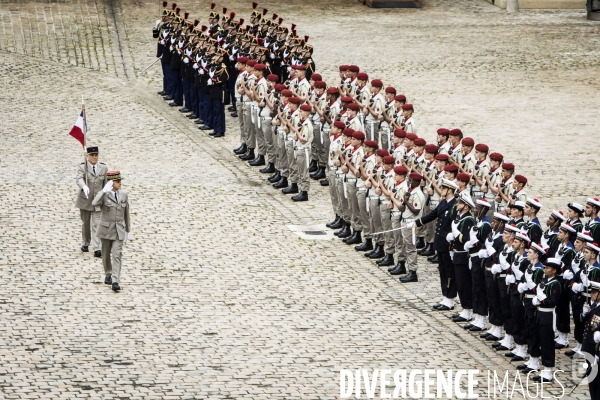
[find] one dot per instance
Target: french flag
(79, 129)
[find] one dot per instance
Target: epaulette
(82, 163)
(101, 163)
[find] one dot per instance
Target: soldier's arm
(81, 176)
(99, 199)
(126, 217)
(432, 216)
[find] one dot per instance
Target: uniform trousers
(577, 307)
(429, 228)
(480, 300)
(218, 112)
(292, 166)
(239, 107)
(316, 142)
(281, 159)
(493, 299)
(178, 88)
(166, 77)
(547, 342)
(333, 193)
(303, 179)
(532, 333)
(375, 220)
(563, 318)
(464, 285)
(261, 144)
(111, 258)
(323, 149)
(361, 196)
(386, 141)
(507, 321)
(399, 253)
(193, 99)
(372, 131)
(386, 224)
(206, 107)
(410, 250)
(267, 133)
(357, 224)
(447, 278)
(231, 90)
(186, 87)
(249, 127)
(518, 318)
(90, 221)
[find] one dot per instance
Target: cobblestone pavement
(220, 299)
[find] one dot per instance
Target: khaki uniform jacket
(95, 184)
(114, 220)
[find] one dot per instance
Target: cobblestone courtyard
(220, 299)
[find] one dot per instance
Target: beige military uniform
(302, 154)
(114, 226)
(410, 125)
(374, 211)
(283, 164)
(372, 123)
(90, 215)
(399, 250)
(264, 123)
(356, 157)
(250, 114)
(334, 146)
(239, 105)
(386, 130)
(417, 201)
(289, 148)
(386, 218)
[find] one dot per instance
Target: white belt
(501, 275)
(351, 179)
(362, 190)
(529, 296)
(545, 309)
(385, 202)
(408, 219)
(374, 197)
(266, 118)
(396, 213)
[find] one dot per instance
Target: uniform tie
(94, 167)
(116, 198)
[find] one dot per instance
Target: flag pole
(85, 162)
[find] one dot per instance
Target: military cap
(535, 203)
(407, 107)
(500, 216)
(286, 93)
(593, 201)
(482, 148)
(332, 90)
(578, 208)
(294, 100)
(339, 124)
(420, 142)
(390, 89)
(320, 85)
(377, 83)
(382, 153)
(508, 166)
(272, 78)
(431, 149)
(348, 132)
(496, 156)
(399, 133)
(400, 97)
(316, 77)
(353, 107)
(358, 135)
(400, 170)
(113, 175)
(305, 107)
(463, 177)
(451, 168)
(362, 76)
(553, 263)
(455, 132)
(443, 131)
(411, 136)
(92, 150)
(442, 157)
(415, 176)
(371, 143)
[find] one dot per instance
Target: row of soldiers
(388, 187)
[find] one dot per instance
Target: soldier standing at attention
(90, 215)
(114, 226)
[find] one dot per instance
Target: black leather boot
(324, 182)
(312, 167)
(302, 196)
(335, 221)
(349, 237)
(365, 246)
(346, 231)
(241, 150)
(410, 277)
(269, 169)
(433, 259)
(275, 177)
(258, 161)
(320, 174)
(293, 188)
(282, 183)
(342, 227)
(424, 249)
(377, 253)
(248, 155)
(429, 252)
(337, 224)
(420, 243)
(398, 269)
(386, 261)
(355, 239)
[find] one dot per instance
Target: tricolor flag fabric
(79, 129)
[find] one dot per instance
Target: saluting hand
(108, 187)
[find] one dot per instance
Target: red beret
(358, 135)
(463, 177)
(415, 176)
(294, 100)
(348, 132)
(443, 131)
(400, 170)
(260, 67)
(407, 106)
(468, 142)
(520, 179)
(305, 107)
(377, 83)
(451, 168)
(347, 99)
(320, 85)
(242, 60)
(362, 76)
(496, 157)
(482, 148)
(286, 93)
(455, 132)
(251, 63)
(431, 148)
(442, 157)
(508, 166)
(316, 77)
(332, 90)
(420, 142)
(382, 153)
(412, 136)
(353, 107)
(299, 67)
(390, 89)
(371, 143)
(279, 87)
(272, 78)
(400, 97)
(343, 68)
(339, 124)
(399, 133)
(353, 68)
(389, 160)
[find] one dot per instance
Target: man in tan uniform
(90, 215)
(114, 226)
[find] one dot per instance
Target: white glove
(272, 56)
(195, 66)
(521, 287)
(186, 60)
(410, 225)
(584, 280)
(157, 23)
(535, 301)
(577, 287)
(596, 336)
(450, 237)
(483, 254)
(230, 58)
(469, 245)
(209, 83)
(510, 279)
(86, 190)
(541, 295)
(126, 237)
(201, 71)
(455, 231)
(586, 309)
(568, 275)
(108, 187)
(496, 269)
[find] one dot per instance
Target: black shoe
(248, 155)
(420, 252)
(205, 128)
(324, 182)
(399, 269)
(293, 188)
(378, 252)
(353, 233)
(365, 246)
(354, 239)
(522, 366)
(386, 261)
(492, 338)
(484, 335)
(184, 110)
(460, 318)
(320, 174)
(269, 169)
(162, 93)
(231, 108)
(436, 306)
(410, 277)
(234, 115)
(98, 253)
(335, 221)
(258, 161)
(212, 134)
(282, 183)
(428, 250)
(108, 280)
(337, 224)
(85, 249)
(302, 196)
(468, 326)
(241, 150)
(570, 353)
(345, 232)
(167, 98)
(199, 122)
(476, 328)
(312, 167)
(538, 378)
(560, 346)
(510, 354)
(420, 243)
(455, 315)
(116, 287)
(496, 345)
(517, 358)
(192, 116)
(433, 259)
(528, 370)
(444, 307)
(220, 134)
(502, 348)
(275, 177)
(173, 104)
